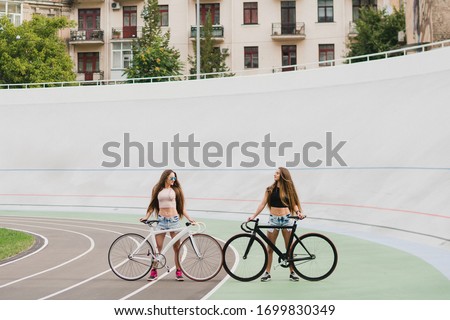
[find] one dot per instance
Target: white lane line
(31, 253)
(152, 282)
(225, 279)
(86, 280)
(147, 285)
(75, 285)
(92, 245)
(217, 287)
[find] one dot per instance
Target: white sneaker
(266, 277)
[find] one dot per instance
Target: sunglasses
(173, 178)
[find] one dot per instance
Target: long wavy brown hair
(288, 193)
(154, 203)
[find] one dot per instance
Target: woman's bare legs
(272, 237)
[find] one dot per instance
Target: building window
(88, 62)
(130, 22)
(288, 17)
(164, 15)
(358, 4)
(121, 55)
(325, 11)
(213, 9)
(289, 57)
(251, 57)
(13, 10)
(326, 53)
(89, 21)
(250, 12)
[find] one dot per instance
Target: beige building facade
(427, 21)
(260, 35)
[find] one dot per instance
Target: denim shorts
(168, 223)
(280, 221)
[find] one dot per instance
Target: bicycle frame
(281, 255)
(181, 232)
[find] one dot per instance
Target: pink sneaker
(179, 275)
(153, 275)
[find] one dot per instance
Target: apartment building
(260, 35)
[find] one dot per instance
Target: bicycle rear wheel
(239, 266)
(123, 263)
(200, 257)
(315, 257)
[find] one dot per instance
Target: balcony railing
(90, 76)
(217, 31)
(126, 33)
(81, 36)
(296, 29)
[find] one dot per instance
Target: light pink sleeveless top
(166, 198)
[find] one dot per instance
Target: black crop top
(275, 200)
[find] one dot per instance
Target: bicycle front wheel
(314, 257)
(245, 257)
(200, 257)
(127, 262)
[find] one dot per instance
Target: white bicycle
(131, 256)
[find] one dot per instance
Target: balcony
(217, 32)
(288, 31)
(126, 33)
(86, 37)
(90, 76)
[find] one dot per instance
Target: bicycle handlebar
(200, 225)
(149, 222)
(246, 228)
(297, 217)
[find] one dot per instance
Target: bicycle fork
(195, 247)
(247, 250)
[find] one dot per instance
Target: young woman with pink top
(168, 202)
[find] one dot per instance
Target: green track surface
(365, 270)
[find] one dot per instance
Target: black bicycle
(312, 256)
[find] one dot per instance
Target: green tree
(152, 54)
(33, 51)
(377, 31)
(212, 60)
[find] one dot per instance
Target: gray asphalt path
(72, 264)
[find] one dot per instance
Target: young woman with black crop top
(282, 199)
(168, 203)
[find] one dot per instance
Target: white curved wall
(393, 114)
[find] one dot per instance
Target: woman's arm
(185, 214)
(299, 212)
(260, 208)
(147, 216)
